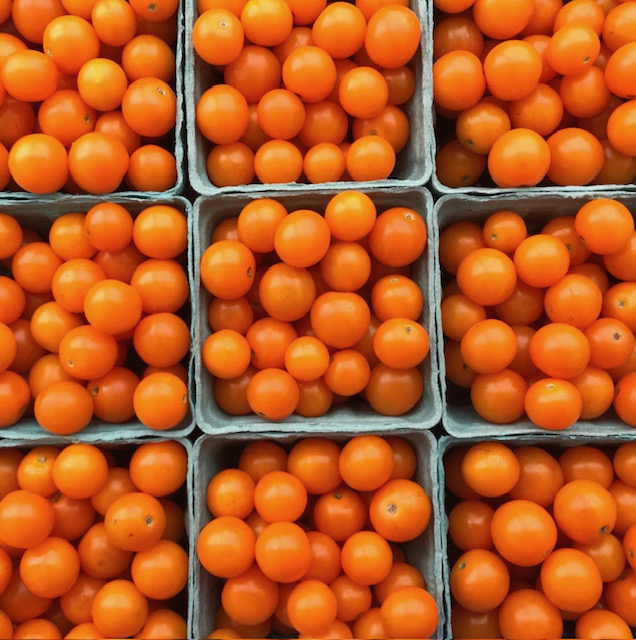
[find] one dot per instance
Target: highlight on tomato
(92, 326)
(308, 309)
(307, 540)
(303, 91)
(541, 539)
(539, 315)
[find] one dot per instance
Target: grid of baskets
(212, 437)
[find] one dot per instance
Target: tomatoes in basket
(311, 563)
(102, 284)
(70, 575)
(552, 551)
(79, 81)
(533, 93)
(292, 73)
(538, 317)
(329, 311)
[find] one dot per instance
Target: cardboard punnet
(213, 454)
(209, 211)
(39, 216)
(552, 442)
(537, 208)
(176, 145)
(414, 163)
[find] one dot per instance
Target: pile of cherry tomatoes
(306, 539)
(543, 324)
(308, 88)
(310, 310)
(535, 91)
(90, 542)
(542, 542)
(86, 95)
(83, 311)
